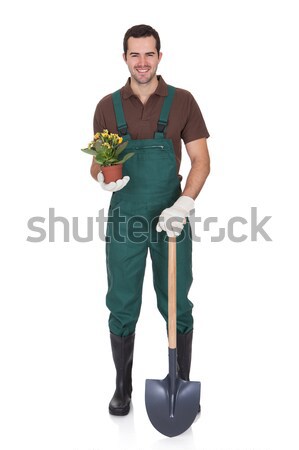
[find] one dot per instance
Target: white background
(239, 59)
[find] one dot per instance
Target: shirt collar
(161, 88)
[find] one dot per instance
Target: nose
(142, 61)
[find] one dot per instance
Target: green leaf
(121, 148)
(99, 147)
(90, 151)
(99, 159)
(126, 157)
(111, 161)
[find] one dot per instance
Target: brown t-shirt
(185, 119)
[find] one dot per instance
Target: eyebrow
(147, 53)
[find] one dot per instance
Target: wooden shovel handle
(172, 292)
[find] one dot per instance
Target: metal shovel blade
(172, 404)
(172, 414)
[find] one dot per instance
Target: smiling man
(142, 59)
(154, 118)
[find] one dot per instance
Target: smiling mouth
(142, 70)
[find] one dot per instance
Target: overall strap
(163, 120)
(119, 114)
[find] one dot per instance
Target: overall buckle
(161, 126)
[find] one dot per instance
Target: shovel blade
(172, 416)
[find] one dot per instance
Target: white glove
(173, 219)
(114, 185)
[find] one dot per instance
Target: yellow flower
(108, 140)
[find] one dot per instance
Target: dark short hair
(139, 31)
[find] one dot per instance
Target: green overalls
(131, 230)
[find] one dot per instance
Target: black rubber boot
(184, 356)
(184, 352)
(122, 351)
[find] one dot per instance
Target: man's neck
(144, 91)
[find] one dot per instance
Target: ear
(160, 56)
(125, 58)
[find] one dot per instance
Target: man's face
(142, 58)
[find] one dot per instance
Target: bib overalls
(131, 230)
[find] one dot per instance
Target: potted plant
(106, 148)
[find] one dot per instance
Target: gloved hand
(114, 185)
(173, 219)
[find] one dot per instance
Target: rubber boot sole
(119, 411)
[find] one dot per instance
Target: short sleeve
(98, 120)
(195, 127)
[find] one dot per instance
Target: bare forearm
(196, 179)
(95, 169)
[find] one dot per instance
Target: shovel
(172, 403)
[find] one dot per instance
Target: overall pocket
(152, 169)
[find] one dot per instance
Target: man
(153, 117)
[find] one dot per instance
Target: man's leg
(125, 270)
(159, 255)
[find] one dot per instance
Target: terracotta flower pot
(112, 173)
